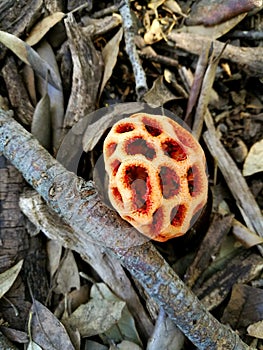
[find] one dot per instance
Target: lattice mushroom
(157, 175)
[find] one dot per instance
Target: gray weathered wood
(78, 203)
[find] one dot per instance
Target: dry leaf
(68, 275)
(97, 316)
(125, 329)
(159, 94)
(154, 34)
(41, 122)
(256, 330)
(247, 237)
(213, 32)
(42, 27)
(8, 277)
(30, 57)
(154, 4)
(47, 331)
(253, 163)
(33, 346)
(166, 335)
(244, 307)
(127, 345)
(92, 345)
(54, 250)
(210, 13)
(46, 52)
(173, 6)
(110, 54)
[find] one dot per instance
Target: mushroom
(157, 175)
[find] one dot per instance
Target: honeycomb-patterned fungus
(157, 175)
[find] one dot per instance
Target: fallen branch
(78, 203)
(247, 58)
(139, 74)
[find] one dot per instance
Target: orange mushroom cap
(157, 175)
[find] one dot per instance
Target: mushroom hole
(177, 215)
(116, 194)
(115, 166)
(194, 182)
(138, 145)
(111, 147)
(174, 150)
(169, 182)
(152, 127)
(136, 177)
(157, 221)
(122, 128)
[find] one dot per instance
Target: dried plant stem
(139, 74)
(78, 204)
(235, 180)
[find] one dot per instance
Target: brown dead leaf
(174, 7)
(215, 31)
(256, 330)
(42, 27)
(159, 94)
(245, 236)
(253, 163)
(244, 307)
(46, 330)
(68, 275)
(154, 34)
(211, 12)
(110, 54)
(30, 57)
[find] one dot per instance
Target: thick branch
(78, 203)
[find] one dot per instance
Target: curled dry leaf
(56, 96)
(43, 26)
(159, 94)
(110, 54)
(245, 236)
(154, 34)
(8, 277)
(253, 163)
(41, 122)
(209, 12)
(31, 57)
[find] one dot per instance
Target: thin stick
(139, 74)
(78, 204)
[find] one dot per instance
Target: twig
(247, 58)
(78, 204)
(235, 181)
(139, 74)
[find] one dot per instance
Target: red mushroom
(157, 175)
